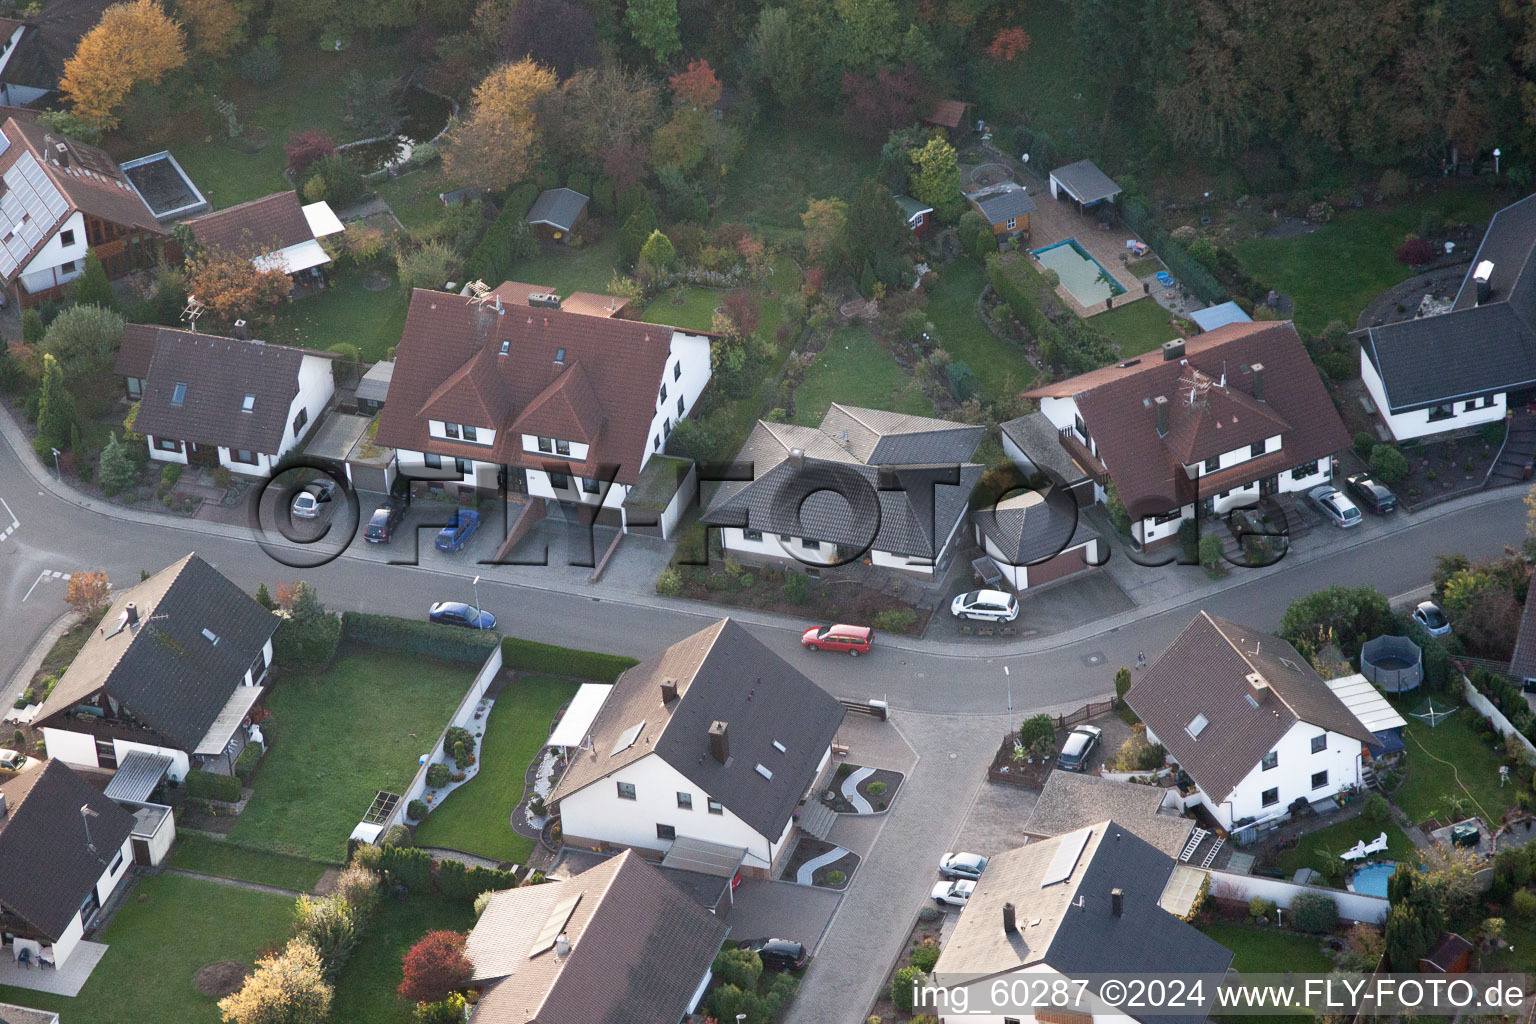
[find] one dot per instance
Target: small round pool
(1372, 880)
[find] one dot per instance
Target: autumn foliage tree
(217, 26)
(1008, 44)
(88, 592)
(877, 104)
(232, 287)
(496, 144)
(135, 42)
(305, 147)
(434, 967)
(288, 988)
(697, 87)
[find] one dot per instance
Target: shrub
(902, 985)
(170, 474)
(797, 588)
(1314, 912)
(328, 924)
(416, 810)
(1260, 907)
(397, 836)
(221, 476)
(245, 764)
(482, 901)
(739, 967)
(447, 1011)
(434, 967)
(306, 646)
(344, 184)
(203, 785)
(1122, 683)
(414, 637)
(1388, 464)
(358, 887)
(458, 740)
(531, 656)
(1037, 734)
(262, 63)
(670, 582)
(835, 878)
(1364, 442)
(1414, 252)
(1376, 810)
(409, 866)
(305, 147)
(288, 987)
(1138, 754)
(437, 775)
(925, 955)
(895, 620)
(1210, 551)
(876, 789)
(1523, 903)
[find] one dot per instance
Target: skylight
(1196, 726)
(248, 404)
(506, 346)
(1252, 699)
(559, 355)
(627, 739)
(211, 637)
(764, 772)
(179, 395)
(781, 748)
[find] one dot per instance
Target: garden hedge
(531, 656)
(245, 764)
(415, 637)
(208, 786)
(1314, 912)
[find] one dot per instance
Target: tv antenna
(195, 308)
(1194, 387)
(481, 295)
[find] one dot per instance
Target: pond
(425, 114)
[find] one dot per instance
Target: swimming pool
(1084, 277)
(1372, 880)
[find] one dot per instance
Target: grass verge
(209, 856)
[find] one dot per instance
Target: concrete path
(809, 868)
(235, 883)
(469, 860)
(851, 791)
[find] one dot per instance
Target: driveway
(781, 910)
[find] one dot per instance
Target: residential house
(865, 483)
(276, 231)
(545, 297)
(66, 851)
(616, 944)
(1522, 663)
(1217, 422)
(1035, 536)
(917, 214)
(1006, 206)
(35, 49)
(557, 212)
(569, 407)
(1084, 184)
(1255, 731)
(716, 739)
(1471, 365)
(1082, 903)
(1032, 444)
(1070, 801)
(206, 400)
(61, 199)
(174, 669)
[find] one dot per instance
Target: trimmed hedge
(532, 656)
(1191, 273)
(459, 882)
(208, 786)
(1314, 912)
(408, 866)
(245, 764)
(415, 637)
(1072, 342)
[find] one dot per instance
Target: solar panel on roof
(627, 739)
(554, 926)
(1067, 853)
(29, 209)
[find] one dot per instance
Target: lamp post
(1008, 676)
(478, 613)
(1496, 155)
(56, 470)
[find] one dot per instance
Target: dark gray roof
(1029, 527)
(557, 207)
(1075, 940)
(1522, 663)
(1205, 672)
(375, 383)
(165, 670)
(914, 519)
(1473, 350)
(48, 868)
(137, 776)
(1002, 201)
(1073, 800)
(1039, 439)
(219, 373)
(1085, 182)
(722, 674)
(911, 207)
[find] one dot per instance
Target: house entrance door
(202, 454)
(1269, 485)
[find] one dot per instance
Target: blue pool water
(1372, 880)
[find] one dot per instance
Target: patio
(60, 981)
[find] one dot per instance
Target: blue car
(457, 613)
(458, 531)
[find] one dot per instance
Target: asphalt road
(54, 535)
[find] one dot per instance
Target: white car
(1339, 509)
(986, 605)
(1432, 618)
(954, 894)
(306, 504)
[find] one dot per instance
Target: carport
(1085, 183)
(345, 440)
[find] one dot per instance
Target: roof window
(179, 394)
(781, 748)
(1196, 726)
(248, 404)
(764, 771)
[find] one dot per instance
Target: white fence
(1353, 906)
(462, 718)
(1485, 707)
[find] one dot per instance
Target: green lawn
(1135, 327)
(344, 312)
(338, 738)
(365, 991)
(170, 926)
(587, 269)
(783, 166)
(1000, 368)
(415, 197)
(1333, 272)
(855, 369)
(210, 856)
(1471, 763)
(63, 651)
(474, 818)
(687, 306)
(1268, 950)
(1335, 839)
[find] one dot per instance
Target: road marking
(14, 522)
(46, 574)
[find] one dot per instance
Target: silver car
(1332, 503)
(1432, 617)
(306, 504)
(962, 865)
(1079, 748)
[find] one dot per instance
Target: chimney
(1117, 902)
(797, 458)
(241, 331)
(1258, 381)
(132, 614)
(1258, 686)
(668, 691)
(544, 300)
(63, 154)
(1010, 923)
(562, 946)
(1160, 403)
(1483, 277)
(887, 478)
(719, 742)
(1173, 349)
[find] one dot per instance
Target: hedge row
(415, 637)
(1191, 273)
(416, 869)
(531, 656)
(208, 786)
(1506, 696)
(1073, 343)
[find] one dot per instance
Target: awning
(689, 854)
(1366, 703)
(294, 259)
(223, 729)
(322, 221)
(137, 776)
(580, 715)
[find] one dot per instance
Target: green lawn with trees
(856, 369)
(1452, 760)
(346, 313)
(209, 856)
(365, 990)
(1315, 849)
(1000, 367)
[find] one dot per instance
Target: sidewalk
(630, 581)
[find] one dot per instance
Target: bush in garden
(448, 1011)
(458, 740)
(1037, 734)
(1260, 907)
(358, 888)
(895, 620)
(796, 589)
(330, 925)
(1388, 464)
(416, 810)
(409, 867)
(437, 775)
(1137, 754)
(434, 967)
(875, 789)
(203, 785)
(245, 764)
(739, 967)
(729, 1001)
(1523, 903)
(1376, 810)
(925, 955)
(901, 987)
(262, 63)
(482, 901)
(286, 988)
(1414, 252)
(397, 835)
(432, 639)
(1314, 912)
(305, 147)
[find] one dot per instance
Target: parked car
(458, 531)
(986, 605)
(777, 954)
(1079, 747)
(955, 894)
(1371, 493)
(856, 640)
(1331, 503)
(457, 613)
(306, 504)
(962, 865)
(1432, 617)
(12, 760)
(381, 527)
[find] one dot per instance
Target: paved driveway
(781, 910)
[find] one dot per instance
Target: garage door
(1064, 564)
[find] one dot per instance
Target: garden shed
(1085, 183)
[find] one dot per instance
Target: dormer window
(469, 432)
(451, 430)
(1213, 463)
(562, 448)
(547, 445)
(249, 404)
(179, 394)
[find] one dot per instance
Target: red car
(853, 639)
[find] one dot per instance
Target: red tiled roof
(1115, 403)
(449, 361)
(948, 113)
(270, 223)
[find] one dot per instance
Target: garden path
(235, 882)
(809, 868)
(851, 791)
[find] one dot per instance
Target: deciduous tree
(434, 967)
(826, 230)
(83, 339)
(1008, 44)
(496, 144)
(697, 87)
(218, 26)
(936, 177)
(135, 42)
(875, 105)
(612, 112)
(654, 25)
(88, 592)
(288, 988)
(776, 61)
(429, 266)
(233, 288)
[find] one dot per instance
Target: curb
(35, 657)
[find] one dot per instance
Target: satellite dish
(1025, 158)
